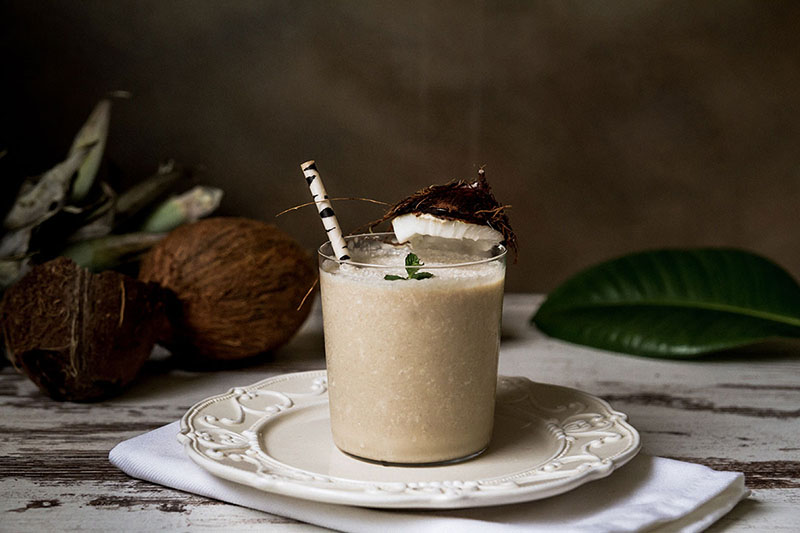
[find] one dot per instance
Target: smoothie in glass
(412, 363)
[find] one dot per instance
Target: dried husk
(92, 136)
(239, 283)
(471, 202)
(81, 336)
(42, 197)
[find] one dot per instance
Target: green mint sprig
(412, 268)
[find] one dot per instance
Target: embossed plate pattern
(275, 435)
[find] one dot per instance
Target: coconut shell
(239, 282)
(80, 336)
(471, 202)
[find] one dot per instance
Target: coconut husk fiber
(471, 202)
(239, 283)
(80, 336)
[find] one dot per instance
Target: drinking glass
(412, 363)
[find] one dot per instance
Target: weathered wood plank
(759, 515)
(758, 474)
(137, 506)
(737, 412)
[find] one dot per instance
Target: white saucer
(275, 436)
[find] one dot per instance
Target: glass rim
(503, 252)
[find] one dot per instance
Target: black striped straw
(326, 213)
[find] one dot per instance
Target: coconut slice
(458, 210)
(412, 225)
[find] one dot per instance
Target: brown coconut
(80, 336)
(239, 282)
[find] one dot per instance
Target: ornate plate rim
(291, 481)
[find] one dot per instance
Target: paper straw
(326, 213)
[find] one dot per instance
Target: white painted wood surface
(738, 411)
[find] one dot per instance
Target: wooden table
(735, 412)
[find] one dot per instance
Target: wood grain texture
(733, 412)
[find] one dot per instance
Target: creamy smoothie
(412, 363)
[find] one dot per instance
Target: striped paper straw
(326, 213)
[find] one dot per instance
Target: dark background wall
(610, 126)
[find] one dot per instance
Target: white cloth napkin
(649, 493)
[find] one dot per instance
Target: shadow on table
(774, 350)
(183, 379)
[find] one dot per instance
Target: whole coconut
(239, 282)
(81, 336)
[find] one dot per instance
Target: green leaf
(194, 204)
(42, 197)
(675, 303)
(147, 192)
(412, 264)
(111, 251)
(92, 136)
(95, 219)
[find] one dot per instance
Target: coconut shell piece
(239, 282)
(80, 336)
(471, 202)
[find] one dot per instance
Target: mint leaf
(412, 261)
(412, 266)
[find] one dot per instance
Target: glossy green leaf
(674, 303)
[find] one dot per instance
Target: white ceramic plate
(275, 436)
